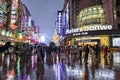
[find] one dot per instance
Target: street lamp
(42, 37)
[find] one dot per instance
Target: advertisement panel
(116, 41)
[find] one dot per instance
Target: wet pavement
(16, 68)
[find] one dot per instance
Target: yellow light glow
(3, 32)
(20, 37)
(7, 34)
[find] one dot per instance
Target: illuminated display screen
(116, 42)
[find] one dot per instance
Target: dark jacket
(5, 47)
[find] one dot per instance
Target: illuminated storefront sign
(116, 42)
(80, 34)
(23, 24)
(90, 28)
(14, 13)
(59, 23)
(65, 22)
(29, 21)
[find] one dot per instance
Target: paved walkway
(20, 69)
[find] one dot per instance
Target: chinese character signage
(59, 23)
(14, 14)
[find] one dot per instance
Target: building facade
(14, 18)
(93, 22)
(4, 13)
(5, 7)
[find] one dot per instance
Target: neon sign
(59, 23)
(90, 28)
(13, 12)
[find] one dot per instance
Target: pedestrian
(16, 51)
(93, 54)
(105, 51)
(80, 54)
(97, 52)
(40, 68)
(86, 54)
(110, 53)
(42, 54)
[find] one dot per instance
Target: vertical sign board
(1, 15)
(67, 16)
(59, 23)
(14, 14)
(0, 23)
(23, 24)
(65, 22)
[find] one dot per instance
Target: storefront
(92, 35)
(93, 40)
(10, 36)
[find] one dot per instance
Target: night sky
(44, 13)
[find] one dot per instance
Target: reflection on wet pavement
(17, 68)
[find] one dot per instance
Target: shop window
(117, 2)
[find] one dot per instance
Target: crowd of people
(84, 52)
(25, 50)
(66, 54)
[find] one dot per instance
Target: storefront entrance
(90, 42)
